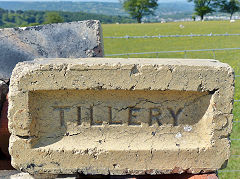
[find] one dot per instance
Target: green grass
(116, 46)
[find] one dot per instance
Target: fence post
(214, 55)
(185, 54)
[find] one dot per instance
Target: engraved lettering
(111, 122)
(133, 116)
(92, 122)
(79, 115)
(155, 114)
(62, 118)
(61, 114)
(175, 116)
(91, 115)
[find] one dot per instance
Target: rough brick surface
(120, 116)
(64, 40)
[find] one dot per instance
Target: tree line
(137, 9)
(19, 18)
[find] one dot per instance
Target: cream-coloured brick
(120, 116)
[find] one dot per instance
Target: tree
(19, 12)
(229, 6)
(53, 17)
(203, 7)
(140, 8)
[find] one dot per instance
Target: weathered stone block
(120, 116)
(63, 40)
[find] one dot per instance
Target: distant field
(175, 10)
(116, 46)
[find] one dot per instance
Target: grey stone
(14, 174)
(64, 40)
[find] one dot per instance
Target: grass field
(116, 46)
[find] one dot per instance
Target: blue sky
(96, 0)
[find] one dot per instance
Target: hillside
(11, 18)
(174, 10)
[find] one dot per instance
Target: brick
(4, 138)
(206, 176)
(120, 116)
(4, 133)
(4, 119)
(5, 165)
(3, 92)
(63, 40)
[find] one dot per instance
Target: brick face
(5, 164)
(120, 116)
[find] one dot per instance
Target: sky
(95, 0)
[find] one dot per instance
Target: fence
(236, 76)
(169, 36)
(175, 51)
